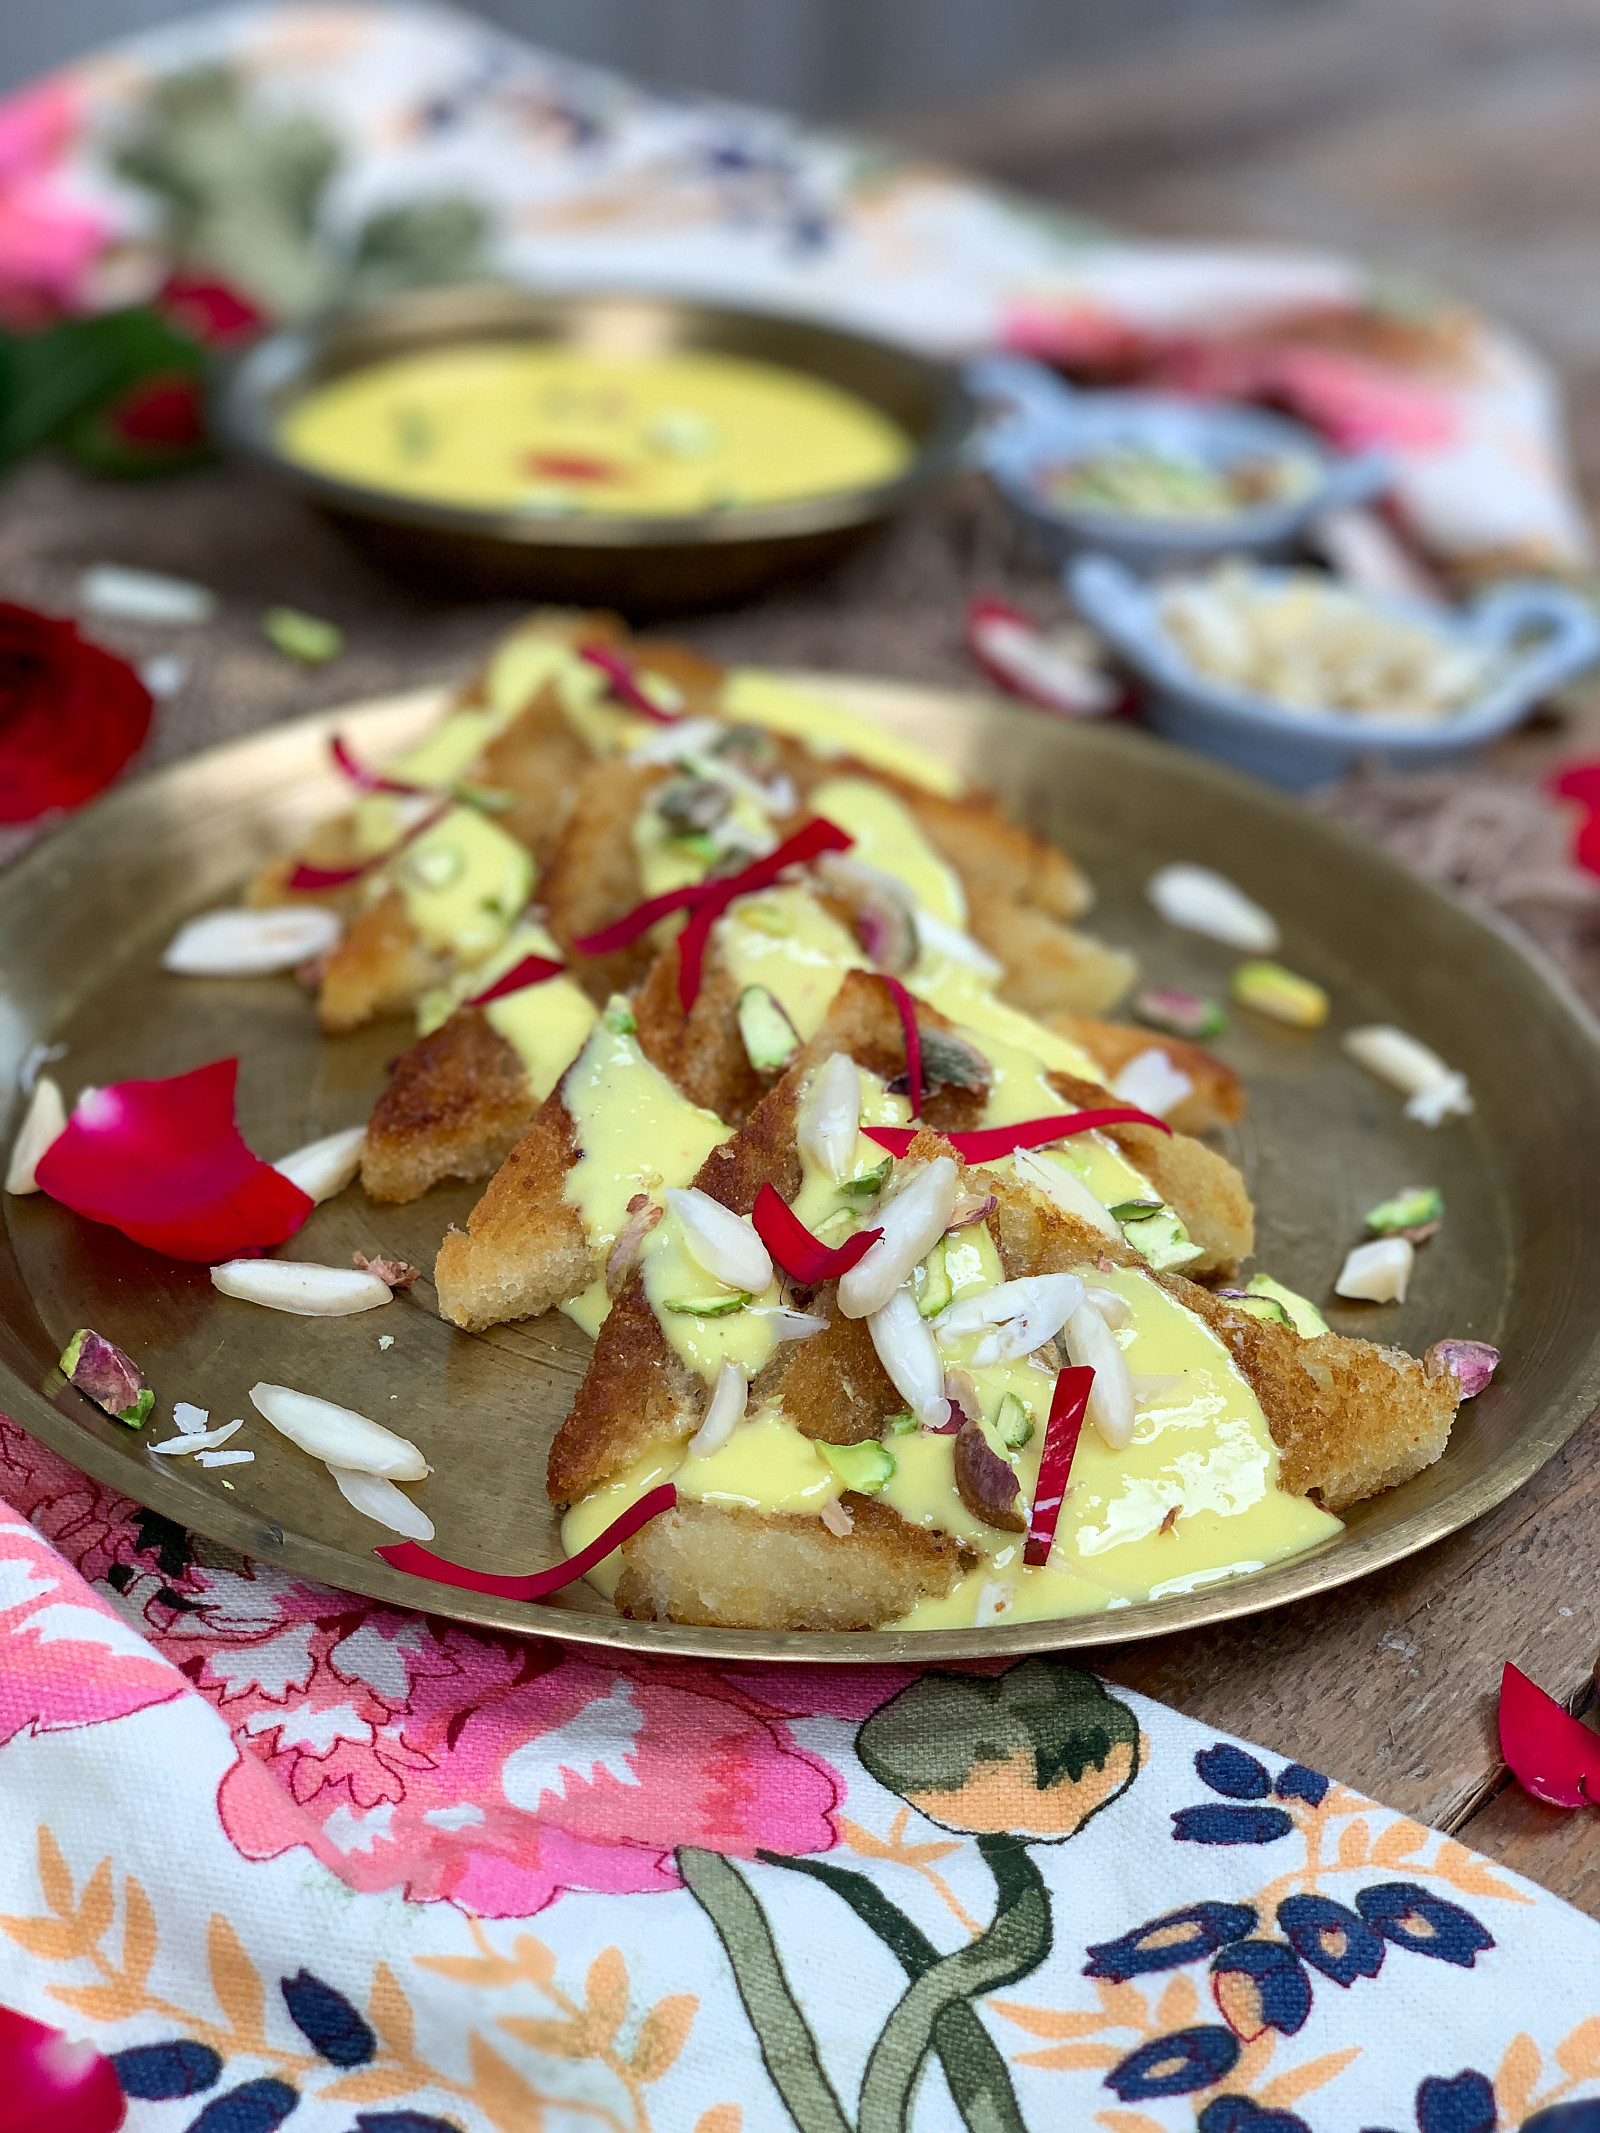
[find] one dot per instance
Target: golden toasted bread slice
(1217, 1097)
(716, 1567)
(379, 968)
(593, 877)
(455, 1106)
(525, 1248)
(1347, 1417)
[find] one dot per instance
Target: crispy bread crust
(454, 1107)
(706, 1564)
(1349, 1418)
(1050, 967)
(593, 878)
(524, 1249)
(379, 968)
(1219, 1094)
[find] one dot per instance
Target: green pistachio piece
(305, 638)
(770, 1038)
(1414, 1208)
(1013, 1424)
(863, 1467)
(867, 1184)
(722, 1306)
(1303, 1315)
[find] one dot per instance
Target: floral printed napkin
(281, 1850)
(261, 160)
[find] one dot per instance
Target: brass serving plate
(642, 566)
(82, 922)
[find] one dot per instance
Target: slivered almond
(300, 1287)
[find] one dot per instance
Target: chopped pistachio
(1013, 1424)
(864, 1467)
(900, 1425)
(1418, 1207)
(867, 1184)
(1135, 1210)
(619, 1017)
(1302, 1313)
(722, 1306)
(1180, 1014)
(306, 638)
(1278, 993)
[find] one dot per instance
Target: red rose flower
(71, 715)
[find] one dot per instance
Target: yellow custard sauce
(634, 1133)
(1201, 1448)
(508, 426)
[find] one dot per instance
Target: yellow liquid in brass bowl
(502, 426)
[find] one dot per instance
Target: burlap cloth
(895, 608)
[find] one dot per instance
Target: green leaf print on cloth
(1028, 1755)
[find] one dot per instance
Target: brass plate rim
(59, 1422)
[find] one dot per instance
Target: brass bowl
(640, 566)
(84, 916)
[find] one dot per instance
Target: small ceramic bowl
(1047, 424)
(1544, 634)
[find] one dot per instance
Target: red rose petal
(799, 1251)
(532, 970)
(420, 1562)
(1069, 1403)
(905, 1008)
(164, 1162)
(71, 715)
(988, 1143)
(625, 683)
(1550, 1753)
(51, 2083)
(1578, 781)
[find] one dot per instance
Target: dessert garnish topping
(309, 879)
(165, 1163)
(1203, 901)
(1379, 1272)
(905, 1008)
(249, 944)
(1069, 1403)
(799, 1251)
(707, 900)
(420, 1563)
(532, 970)
(988, 1143)
(111, 1379)
(1471, 1363)
(393, 1273)
(625, 684)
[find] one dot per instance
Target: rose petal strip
(361, 777)
(989, 1143)
(1550, 1753)
(799, 1251)
(713, 898)
(905, 1008)
(1069, 1403)
(312, 878)
(532, 970)
(420, 1562)
(625, 683)
(707, 900)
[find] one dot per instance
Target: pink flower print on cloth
(69, 1661)
(493, 1772)
(49, 241)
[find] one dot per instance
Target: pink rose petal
(164, 1162)
(50, 2084)
(1550, 1753)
